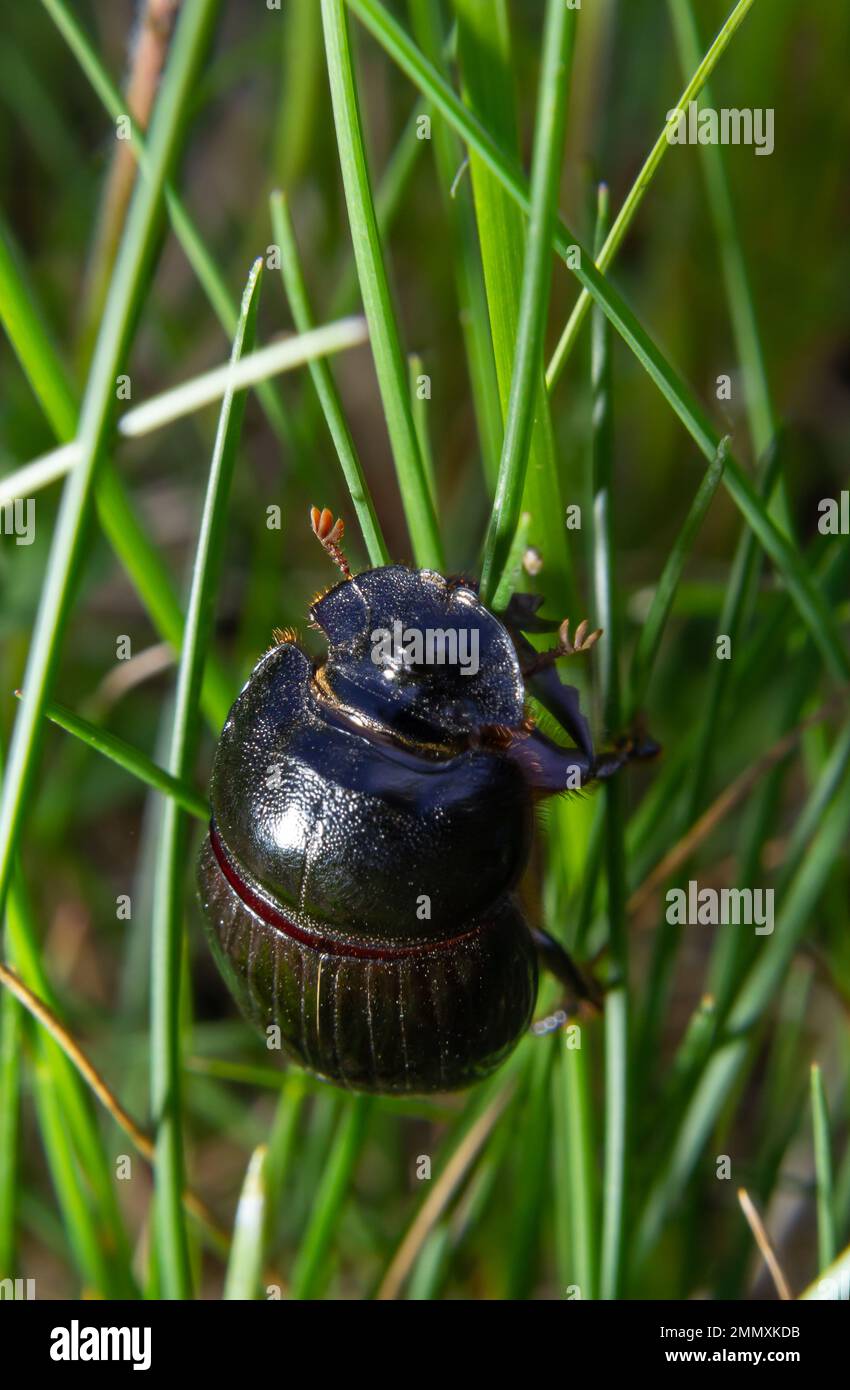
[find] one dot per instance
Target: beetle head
(419, 654)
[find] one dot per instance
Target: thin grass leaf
(80, 1170)
(282, 1139)
(577, 1167)
(31, 342)
(701, 70)
(133, 265)
(827, 1243)
(549, 133)
(486, 61)
(739, 296)
(308, 1269)
(814, 612)
(431, 1266)
(617, 1025)
(810, 872)
(246, 1252)
(299, 304)
(133, 760)
(533, 1190)
(392, 186)
(469, 279)
(375, 291)
(300, 82)
(68, 1182)
(194, 394)
(419, 409)
(45, 370)
(655, 623)
(295, 351)
(166, 936)
(200, 259)
(461, 1150)
(11, 1036)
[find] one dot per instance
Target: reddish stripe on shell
(327, 945)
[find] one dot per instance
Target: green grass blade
(814, 612)
(758, 403)
(32, 344)
(132, 759)
(135, 256)
(831, 799)
(166, 931)
(389, 194)
(282, 1139)
(375, 290)
(419, 407)
(67, 1179)
(299, 303)
(208, 275)
(652, 631)
(246, 1252)
(549, 134)
(177, 402)
(484, 44)
(80, 1169)
(469, 278)
(533, 1193)
(307, 1272)
(46, 373)
(702, 69)
(617, 1022)
(576, 1150)
(11, 1035)
(301, 90)
(823, 1169)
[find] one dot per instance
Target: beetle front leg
(562, 701)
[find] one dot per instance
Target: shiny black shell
(367, 833)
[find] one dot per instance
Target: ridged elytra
(371, 818)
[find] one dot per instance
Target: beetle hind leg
(584, 995)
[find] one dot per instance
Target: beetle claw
(582, 642)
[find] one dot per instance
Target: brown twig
(149, 46)
(762, 1240)
(440, 1196)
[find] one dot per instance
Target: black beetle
(371, 817)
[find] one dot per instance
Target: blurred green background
(262, 119)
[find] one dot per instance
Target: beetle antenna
(329, 534)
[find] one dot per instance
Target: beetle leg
(567, 646)
(562, 701)
(635, 747)
(581, 989)
(520, 615)
(551, 768)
